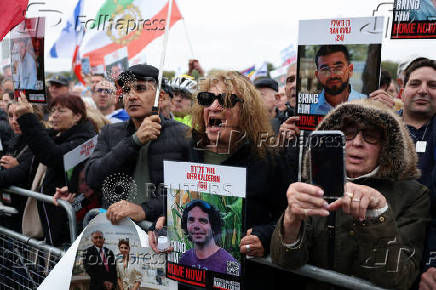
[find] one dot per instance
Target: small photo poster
(414, 19)
(338, 61)
(205, 211)
(27, 59)
(116, 62)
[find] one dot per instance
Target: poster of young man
(205, 223)
(27, 59)
(338, 61)
(414, 19)
(116, 62)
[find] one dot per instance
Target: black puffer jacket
(49, 149)
(116, 152)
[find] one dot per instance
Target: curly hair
(253, 119)
(215, 219)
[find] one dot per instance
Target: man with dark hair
(202, 223)
(419, 97)
(99, 263)
(333, 72)
(136, 148)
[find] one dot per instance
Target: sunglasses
(206, 99)
(370, 135)
(104, 91)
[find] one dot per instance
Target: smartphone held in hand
(327, 165)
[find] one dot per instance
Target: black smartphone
(327, 164)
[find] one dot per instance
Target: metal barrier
(24, 262)
(332, 277)
(48, 199)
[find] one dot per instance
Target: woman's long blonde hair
(254, 120)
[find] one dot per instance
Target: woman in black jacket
(71, 128)
(230, 127)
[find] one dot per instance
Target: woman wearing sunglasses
(230, 126)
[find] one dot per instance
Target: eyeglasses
(104, 91)
(137, 88)
(206, 99)
(336, 69)
(371, 136)
(182, 94)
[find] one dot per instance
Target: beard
(335, 90)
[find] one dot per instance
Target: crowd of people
(384, 225)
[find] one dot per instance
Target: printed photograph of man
(333, 71)
(99, 263)
(24, 72)
(202, 223)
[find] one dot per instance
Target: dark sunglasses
(370, 135)
(206, 99)
(104, 91)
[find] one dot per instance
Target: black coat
(21, 176)
(49, 149)
(116, 152)
(96, 269)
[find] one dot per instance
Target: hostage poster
(414, 19)
(205, 223)
(338, 61)
(27, 59)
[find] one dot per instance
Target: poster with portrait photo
(338, 61)
(121, 259)
(116, 62)
(27, 59)
(414, 19)
(205, 223)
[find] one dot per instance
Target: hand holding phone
(327, 166)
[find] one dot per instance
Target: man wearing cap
(268, 89)
(136, 149)
(58, 85)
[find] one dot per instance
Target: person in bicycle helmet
(184, 88)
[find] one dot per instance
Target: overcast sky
(232, 34)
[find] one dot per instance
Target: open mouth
(355, 159)
(214, 122)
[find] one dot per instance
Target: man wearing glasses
(333, 72)
(136, 148)
(105, 100)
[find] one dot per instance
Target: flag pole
(155, 109)
(188, 38)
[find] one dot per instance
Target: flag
(69, 40)
(130, 23)
(12, 14)
(288, 55)
(70, 36)
(249, 71)
(261, 71)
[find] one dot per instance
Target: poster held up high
(205, 223)
(27, 59)
(338, 61)
(414, 19)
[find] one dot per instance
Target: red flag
(77, 65)
(13, 12)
